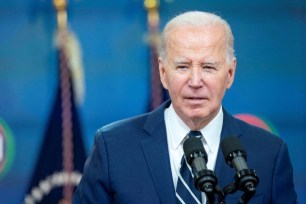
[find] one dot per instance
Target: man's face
(196, 72)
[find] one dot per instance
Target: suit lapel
(155, 150)
(224, 173)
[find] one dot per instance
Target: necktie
(186, 191)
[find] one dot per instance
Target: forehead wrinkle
(203, 61)
(215, 45)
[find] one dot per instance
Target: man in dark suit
(138, 160)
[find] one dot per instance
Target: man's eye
(182, 67)
(209, 68)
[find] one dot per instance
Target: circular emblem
(7, 148)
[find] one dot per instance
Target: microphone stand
(246, 180)
(206, 181)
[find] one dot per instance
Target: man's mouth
(195, 99)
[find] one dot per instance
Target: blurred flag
(62, 155)
(158, 93)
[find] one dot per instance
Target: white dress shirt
(176, 134)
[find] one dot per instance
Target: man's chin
(197, 115)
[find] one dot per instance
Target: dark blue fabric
(129, 163)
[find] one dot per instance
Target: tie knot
(195, 134)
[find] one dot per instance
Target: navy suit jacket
(129, 163)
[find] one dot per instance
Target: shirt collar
(211, 132)
(178, 128)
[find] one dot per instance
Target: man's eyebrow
(181, 61)
(211, 63)
(186, 61)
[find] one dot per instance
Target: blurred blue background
(270, 45)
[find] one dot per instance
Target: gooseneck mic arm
(245, 178)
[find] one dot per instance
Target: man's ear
(231, 74)
(162, 72)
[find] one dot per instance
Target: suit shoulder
(258, 133)
(124, 126)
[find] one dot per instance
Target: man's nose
(195, 77)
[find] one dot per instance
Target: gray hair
(198, 18)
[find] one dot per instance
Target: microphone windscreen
(192, 145)
(231, 144)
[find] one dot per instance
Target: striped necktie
(186, 191)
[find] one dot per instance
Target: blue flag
(62, 155)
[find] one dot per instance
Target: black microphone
(195, 153)
(196, 156)
(235, 156)
(233, 152)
